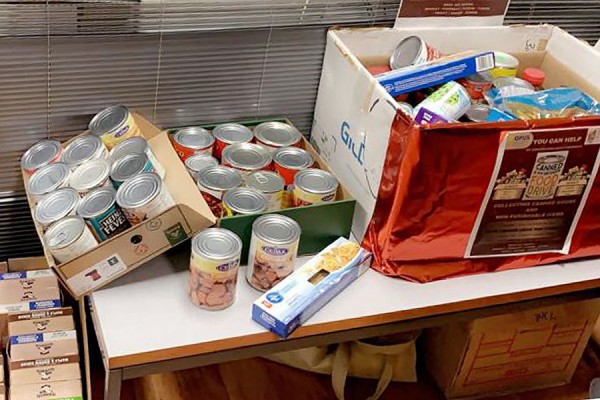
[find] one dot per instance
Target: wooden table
(146, 324)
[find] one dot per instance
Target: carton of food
(39, 321)
(43, 345)
(59, 390)
(42, 370)
(295, 299)
(19, 287)
(5, 309)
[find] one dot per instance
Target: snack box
(52, 320)
(42, 345)
(65, 368)
(19, 287)
(295, 299)
(5, 309)
(59, 390)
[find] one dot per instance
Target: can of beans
(47, 179)
(69, 238)
(227, 134)
(129, 166)
(83, 149)
(412, 50)
(102, 214)
(277, 134)
(55, 206)
(91, 175)
(198, 162)
(143, 197)
(247, 157)
(42, 153)
(214, 265)
(314, 186)
(244, 201)
(270, 184)
(137, 145)
(213, 182)
(476, 85)
(192, 140)
(114, 125)
(273, 250)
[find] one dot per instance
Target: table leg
(112, 385)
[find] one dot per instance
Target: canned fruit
(69, 238)
(56, 206)
(289, 160)
(448, 103)
(91, 175)
(137, 145)
(244, 201)
(102, 214)
(270, 184)
(277, 134)
(192, 140)
(412, 51)
(213, 182)
(129, 166)
(83, 149)
(314, 186)
(227, 134)
(198, 162)
(247, 157)
(47, 179)
(40, 154)
(114, 125)
(143, 197)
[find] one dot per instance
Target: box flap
(438, 13)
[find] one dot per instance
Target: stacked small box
(2, 387)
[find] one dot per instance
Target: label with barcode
(485, 62)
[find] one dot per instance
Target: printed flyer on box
(537, 192)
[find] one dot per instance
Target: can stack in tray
(96, 187)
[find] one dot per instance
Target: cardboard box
(128, 250)
(42, 345)
(510, 353)
(44, 370)
(22, 264)
(59, 390)
(3, 267)
(19, 287)
(1, 369)
(53, 320)
(5, 309)
(354, 113)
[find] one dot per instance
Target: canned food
(289, 160)
(56, 206)
(91, 175)
(227, 134)
(83, 149)
(137, 145)
(277, 134)
(129, 166)
(48, 179)
(42, 153)
(101, 212)
(270, 184)
(113, 125)
(510, 86)
(478, 112)
(193, 140)
(143, 197)
(506, 65)
(69, 238)
(412, 51)
(198, 162)
(213, 182)
(244, 201)
(273, 250)
(247, 157)
(476, 85)
(313, 186)
(214, 265)
(406, 108)
(447, 104)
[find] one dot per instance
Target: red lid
(535, 76)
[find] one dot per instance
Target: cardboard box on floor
(510, 353)
(22, 264)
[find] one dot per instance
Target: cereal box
(295, 299)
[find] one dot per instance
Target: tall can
(69, 238)
(137, 145)
(83, 149)
(213, 182)
(314, 186)
(247, 158)
(55, 206)
(413, 50)
(47, 179)
(102, 214)
(144, 197)
(273, 250)
(288, 161)
(129, 166)
(113, 125)
(198, 162)
(91, 175)
(214, 265)
(40, 154)
(275, 135)
(192, 140)
(447, 104)
(270, 184)
(230, 133)
(244, 201)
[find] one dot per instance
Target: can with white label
(213, 182)
(40, 154)
(69, 238)
(270, 184)
(228, 134)
(101, 212)
(198, 162)
(247, 157)
(91, 175)
(129, 166)
(413, 50)
(143, 197)
(244, 201)
(55, 206)
(47, 179)
(137, 145)
(277, 134)
(83, 149)
(113, 125)
(314, 186)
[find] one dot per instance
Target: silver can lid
(139, 190)
(407, 52)
(56, 205)
(217, 244)
(406, 108)
(132, 145)
(90, 174)
(194, 137)
(245, 201)
(128, 166)
(82, 149)
(276, 228)
(48, 178)
(265, 181)
(219, 178)
(64, 232)
(108, 120)
(248, 156)
(198, 162)
(477, 78)
(314, 180)
(277, 134)
(97, 202)
(40, 154)
(293, 158)
(512, 81)
(478, 112)
(233, 133)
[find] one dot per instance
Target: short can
(276, 134)
(478, 112)
(510, 86)
(447, 104)
(244, 201)
(213, 182)
(102, 214)
(55, 206)
(91, 175)
(412, 50)
(289, 160)
(247, 157)
(214, 265)
(40, 154)
(137, 145)
(83, 149)
(192, 140)
(197, 162)
(270, 184)
(273, 250)
(114, 125)
(69, 238)
(129, 166)
(143, 197)
(505, 65)
(48, 179)
(314, 186)
(230, 133)
(476, 85)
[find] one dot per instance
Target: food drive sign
(430, 13)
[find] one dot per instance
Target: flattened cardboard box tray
(128, 250)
